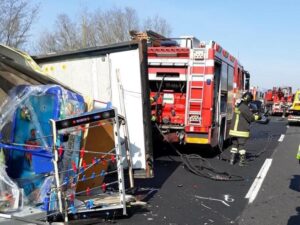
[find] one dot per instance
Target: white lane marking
(253, 191)
(281, 138)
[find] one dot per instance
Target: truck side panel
(94, 73)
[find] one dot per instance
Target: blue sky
(263, 34)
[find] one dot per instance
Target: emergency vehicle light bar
(168, 51)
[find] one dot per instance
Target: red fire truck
(279, 100)
(193, 88)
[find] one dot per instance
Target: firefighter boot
(242, 160)
(232, 158)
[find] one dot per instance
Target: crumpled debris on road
(218, 200)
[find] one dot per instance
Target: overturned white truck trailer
(94, 72)
(100, 72)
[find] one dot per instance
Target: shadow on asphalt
(166, 161)
(294, 124)
(163, 169)
(295, 220)
(146, 189)
(295, 186)
(295, 183)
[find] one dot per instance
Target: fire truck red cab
(193, 88)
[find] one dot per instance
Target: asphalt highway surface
(266, 193)
(175, 196)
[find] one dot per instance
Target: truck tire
(221, 138)
(221, 143)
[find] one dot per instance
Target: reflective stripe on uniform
(256, 117)
(237, 111)
(236, 133)
(234, 150)
(242, 152)
(237, 118)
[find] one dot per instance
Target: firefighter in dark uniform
(240, 128)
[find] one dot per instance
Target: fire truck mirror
(247, 80)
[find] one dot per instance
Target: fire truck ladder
(191, 87)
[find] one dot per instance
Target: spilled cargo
(64, 148)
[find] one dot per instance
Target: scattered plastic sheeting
(26, 135)
(45, 188)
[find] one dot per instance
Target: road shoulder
(277, 201)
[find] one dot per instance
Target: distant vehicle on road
(294, 116)
(278, 101)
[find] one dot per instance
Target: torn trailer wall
(95, 72)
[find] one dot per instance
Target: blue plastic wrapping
(27, 136)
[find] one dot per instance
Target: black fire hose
(200, 169)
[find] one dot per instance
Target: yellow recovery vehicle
(294, 116)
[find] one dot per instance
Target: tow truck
(294, 110)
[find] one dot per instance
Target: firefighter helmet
(247, 97)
